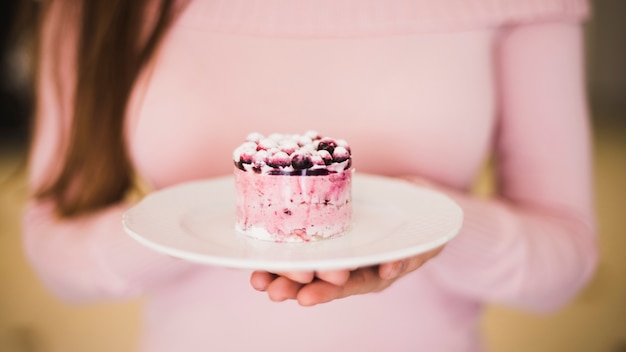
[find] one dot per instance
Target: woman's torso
(409, 103)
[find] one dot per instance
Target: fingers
(335, 277)
(303, 277)
(399, 268)
(360, 281)
(278, 288)
(311, 288)
(318, 292)
(260, 280)
(283, 286)
(282, 289)
(392, 270)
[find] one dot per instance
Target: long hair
(112, 46)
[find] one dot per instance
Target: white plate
(392, 219)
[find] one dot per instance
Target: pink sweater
(430, 89)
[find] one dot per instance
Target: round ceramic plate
(392, 219)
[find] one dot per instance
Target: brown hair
(112, 47)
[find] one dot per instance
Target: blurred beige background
(31, 320)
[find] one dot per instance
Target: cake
(293, 188)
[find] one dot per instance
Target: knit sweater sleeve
(533, 246)
(86, 257)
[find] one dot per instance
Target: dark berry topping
(316, 159)
(258, 168)
(279, 159)
(247, 156)
(325, 155)
(327, 144)
(315, 172)
(292, 154)
(301, 161)
(304, 172)
(340, 154)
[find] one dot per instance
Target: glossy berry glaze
(293, 188)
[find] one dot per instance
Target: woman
(425, 90)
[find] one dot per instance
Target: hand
(311, 288)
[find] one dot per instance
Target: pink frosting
(293, 208)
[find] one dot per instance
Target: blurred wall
(606, 57)
(13, 103)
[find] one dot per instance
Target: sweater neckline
(367, 17)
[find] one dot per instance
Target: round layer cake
(293, 188)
